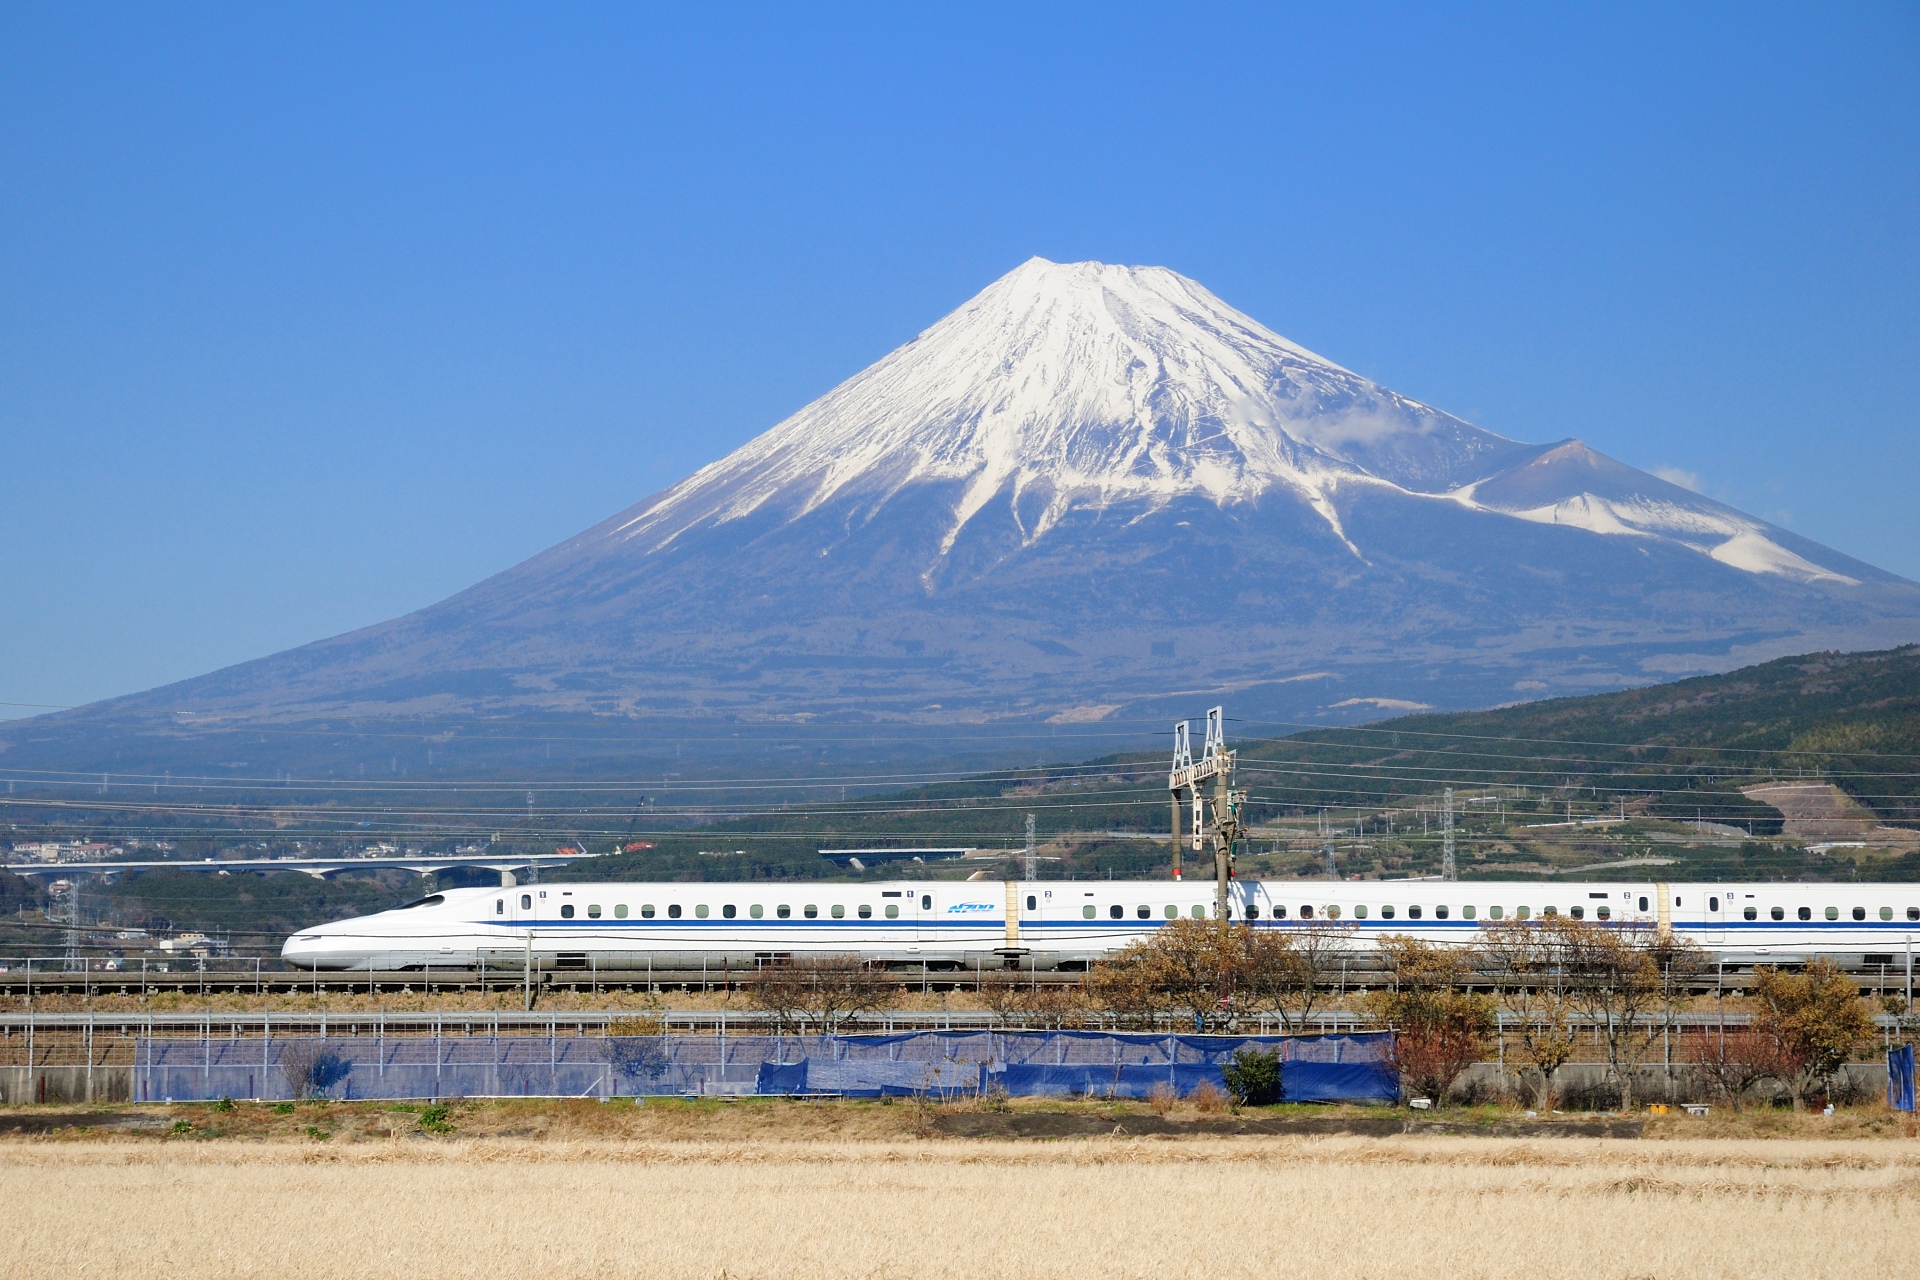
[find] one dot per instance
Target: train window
(1386, 913)
(1033, 903)
(1333, 913)
(1643, 904)
(810, 911)
(866, 911)
(1859, 913)
(783, 911)
(1495, 913)
(673, 911)
(1439, 913)
(1713, 904)
(1805, 913)
(1603, 913)
(1578, 913)
(1468, 913)
(620, 911)
(1751, 913)
(1832, 913)
(646, 911)
(566, 911)
(1359, 913)
(1116, 911)
(839, 911)
(1521, 913)
(1913, 913)
(926, 902)
(1143, 911)
(701, 910)
(593, 911)
(1253, 911)
(499, 906)
(1413, 913)
(1549, 912)
(1087, 911)
(1886, 913)
(893, 911)
(1172, 912)
(729, 911)
(756, 911)
(1306, 912)
(1778, 913)
(526, 902)
(1198, 913)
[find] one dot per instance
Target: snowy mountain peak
(1085, 384)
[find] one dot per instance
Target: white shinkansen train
(1065, 924)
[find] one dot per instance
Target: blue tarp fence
(1333, 1068)
(1900, 1078)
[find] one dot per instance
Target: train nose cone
(303, 949)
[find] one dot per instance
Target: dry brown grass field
(866, 1203)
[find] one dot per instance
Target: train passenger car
(1054, 924)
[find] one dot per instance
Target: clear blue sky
(310, 319)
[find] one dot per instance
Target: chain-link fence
(944, 1064)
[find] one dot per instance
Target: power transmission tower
(1327, 851)
(1449, 868)
(1032, 861)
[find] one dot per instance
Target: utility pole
(1449, 868)
(1031, 863)
(73, 924)
(1177, 779)
(1216, 762)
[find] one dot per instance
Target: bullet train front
(434, 930)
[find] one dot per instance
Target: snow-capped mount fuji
(1095, 492)
(1090, 386)
(1085, 386)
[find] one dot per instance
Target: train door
(924, 906)
(1718, 905)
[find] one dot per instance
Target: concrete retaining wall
(65, 1084)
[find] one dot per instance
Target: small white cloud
(1674, 475)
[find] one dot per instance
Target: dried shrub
(1208, 1099)
(312, 1067)
(1163, 1098)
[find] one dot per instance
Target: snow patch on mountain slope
(1737, 543)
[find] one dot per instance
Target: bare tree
(1531, 962)
(1732, 1062)
(1619, 976)
(312, 1067)
(1818, 1019)
(637, 1047)
(819, 992)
